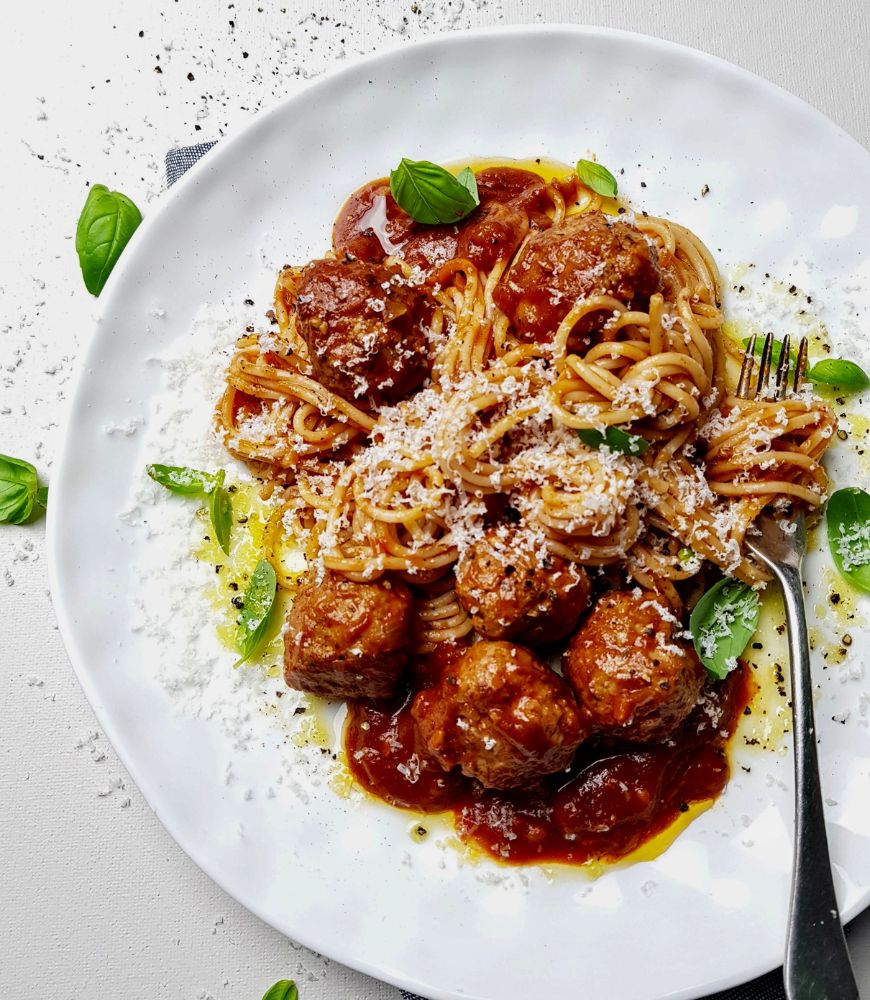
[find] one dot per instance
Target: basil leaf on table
(722, 623)
(615, 439)
(283, 990)
(256, 614)
(431, 194)
(20, 491)
(848, 521)
(597, 177)
(220, 511)
(840, 374)
(182, 479)
(105, 226)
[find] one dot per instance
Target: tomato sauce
(607, 804)
(371, 225)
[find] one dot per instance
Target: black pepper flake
(643, 184)
(157, 69)
(747, 710)
(835, 598)
(757, 645)
(684, 807)
(190, 77)
(249, 302)
(299, 710)
(705, 190)
(233, 585)
(238, 602)
(141, 34)
(218, 567)
(244, 55)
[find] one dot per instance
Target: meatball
(637, 682)
(501, 715)
(585, 255)
(364, 327)
(347, 639)
(512, 591)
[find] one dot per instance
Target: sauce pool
(611, 801)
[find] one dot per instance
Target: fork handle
(817, 964)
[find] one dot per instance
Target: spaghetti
(405, 485)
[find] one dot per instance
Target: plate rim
(76, 399)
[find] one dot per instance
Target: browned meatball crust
(347, 639)
(512, 590)
(634, 678)
(365, 329)
(586, 254)
(501, 715)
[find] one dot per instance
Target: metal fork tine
(764, 367)
(782, 368)
(801, 367)
(745, 383)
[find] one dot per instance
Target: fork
(817, 964)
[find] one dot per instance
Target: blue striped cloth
(769, 987)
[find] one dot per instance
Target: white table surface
(96, 900)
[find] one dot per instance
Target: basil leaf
(105, 226)
(722, 623)
(840, 374)
(19, 490)
(614, 439)
(283, 990)
(256, 614)
(220, 511)
(42, 496)
(181, 479)
(597, 177)
(431, 194)
(467, 179)
(848, 521)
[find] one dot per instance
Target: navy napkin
(769, 987)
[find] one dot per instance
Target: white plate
(785, 184)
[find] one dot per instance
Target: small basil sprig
(283, 990)
(105, 226)
(843, 375)
(182, 479)
(20, 491)
(848, 521)
(220, 510)
(467, 179)
(185, 481)
(431, 194)
(834, 372)
(257, 607)
(615, 439)
(722, 623)
(597, 177)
